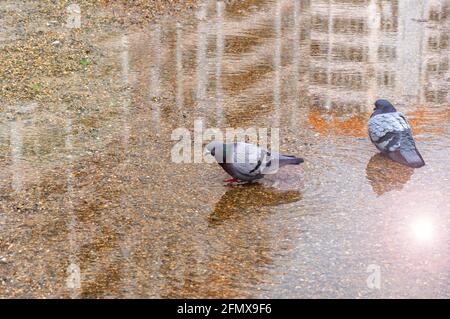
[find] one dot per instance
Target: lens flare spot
(422, 229)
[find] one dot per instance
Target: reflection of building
(436, 53)
(241, 56)
(361, 50)
(338, 53)
(423, 50)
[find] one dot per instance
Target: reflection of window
(348, 80)
(346, 107)
(435, 14)
(353, 2)
(343, 25)
(388, 24)
(432, 67)
(319, 48)
(436, 96)
(317, 101)
(433, 42)
(319, 23)
(438, 42)
(386, 53)
(386, 78)
(443, 67)
(347, 53)
(388, 19)
(319, 76)
(438, 68)
(444, 40)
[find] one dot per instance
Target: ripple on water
(332, 161)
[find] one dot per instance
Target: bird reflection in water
(249, 198)
(385, 175)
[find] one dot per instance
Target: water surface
(91, 204)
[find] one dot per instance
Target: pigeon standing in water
(390, 132)
(248, 162)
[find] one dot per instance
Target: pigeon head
(383, 106)
(213, 146)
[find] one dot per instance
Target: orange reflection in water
(355, 126)
(422, 121)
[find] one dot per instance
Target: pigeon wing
(248, 160)
(391, 134)
(386, 131)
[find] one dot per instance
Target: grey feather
(391, 134)
(248, 162)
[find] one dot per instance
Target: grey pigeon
(248, 162)
(390, 132)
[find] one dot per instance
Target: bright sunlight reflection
(422, 229)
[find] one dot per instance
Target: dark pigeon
(390, 132)
(248, 162)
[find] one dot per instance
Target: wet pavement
(91, 205)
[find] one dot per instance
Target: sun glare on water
(422, 229)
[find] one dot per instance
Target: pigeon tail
(411, 157)
(290, 160)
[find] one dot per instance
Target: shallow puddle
(91, 204)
